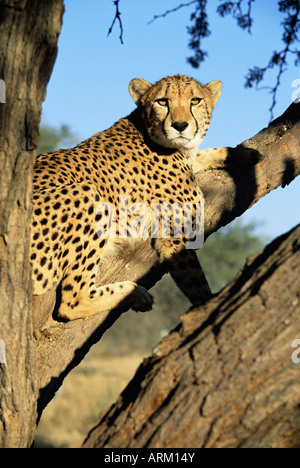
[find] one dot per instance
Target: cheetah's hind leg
(92, 300)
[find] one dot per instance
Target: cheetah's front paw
(142, 300)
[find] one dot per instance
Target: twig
(163, 15)
(279, 59)
(117, 17)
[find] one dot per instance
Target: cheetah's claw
(142, 300)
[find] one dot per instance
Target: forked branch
(117, 17)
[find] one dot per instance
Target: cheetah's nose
(179, 126)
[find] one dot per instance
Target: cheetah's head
(176, 110)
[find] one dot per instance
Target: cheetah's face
(176, 110)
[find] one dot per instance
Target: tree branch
(224, 378)
(61, 346)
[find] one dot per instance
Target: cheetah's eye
(195, 101)
(162, 102)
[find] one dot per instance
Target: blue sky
(88, 89)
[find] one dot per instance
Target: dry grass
(88, 390)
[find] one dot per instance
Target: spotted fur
(145, 156)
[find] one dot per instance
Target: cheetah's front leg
(185, 269)
(214, 158)
(187, 273)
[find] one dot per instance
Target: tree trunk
(61, 346)
(228, 376)
(29, 34)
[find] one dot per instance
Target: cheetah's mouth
(180, 137)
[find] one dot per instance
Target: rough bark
(224, 377)
(61, 346)
(29, 34)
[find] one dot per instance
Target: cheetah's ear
(137, 88)
(215, 89)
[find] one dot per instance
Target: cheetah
(149, 157)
